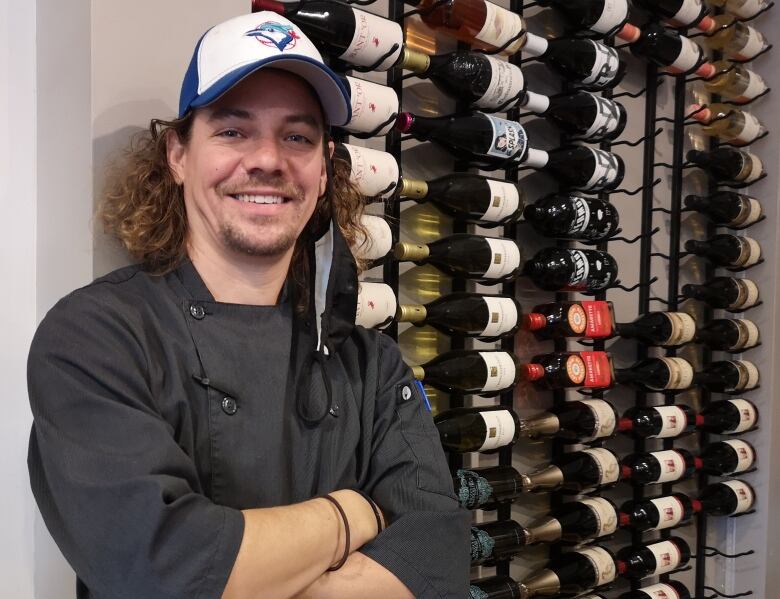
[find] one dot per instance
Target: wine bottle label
(575, 369)
(667, 557)
(748, 335)
(746, 9)
(500, 26)
(603, 417)
(746, 457)
(670, 512)
(504, 201)
(605, 66)
(751, 294)
(509, 138)
(581, 219)
(373, 172)
(603, 564)
(660, 591)
(577, 319)
(673, 421)
(683, 328)
(747, 416)
(744, 494)
(376, 305)
(613, 14)
(750, 213)
(477, 593)
(473, 490)
(755, 86)
(605, 515)
(748, 375)
(605, 171)
(606, 121)
(598, 319)
(754, 43)
(372, 105)
(750, 130)
(374, 37)
(502, 316)
(680, 374)
(750, 252)
(499, 427)
(505, 258)
(687, 59)
(688, 13)
(756, 168)
(378, 240)
(482, 545)
(506, 82)
(500, 372)
(672, 465)
(607, 463)
(579, 274)
(598, 370)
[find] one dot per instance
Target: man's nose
(264, 155)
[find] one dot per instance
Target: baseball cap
(233, 50)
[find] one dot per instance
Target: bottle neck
(414, 313)
(536, 158)
(414, 61)
(545, 423)
(415, 189)
(411, 252)
(546, 478)
(547, 530)
(536, 103)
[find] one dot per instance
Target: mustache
(277, 184)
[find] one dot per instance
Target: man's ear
(176, 152)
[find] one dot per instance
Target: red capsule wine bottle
(558, 320)
(658, 422)
(727, 250)
(477, 429)
(667, 48)
(575, 473)
(662, 590)
(728, 376)
(728, 293)
(470, 371)
(468, 197)
(494, 541)
(488, 487)
(563, 370)
(601, 18)
(655, 559)
(727, 208)
(728, 417)
(572, 574)
(469, 314)
(727, 498)
(489, 260)
(579, 167)
(575, 522)
(494, 587)
(729, 334)
(564, 269)
(665, 466)
(659, 513)
(725, 458)
(728, 165)
(679, 13)
(579, 421)
(573, 217)
(580, 114)
(657, 374)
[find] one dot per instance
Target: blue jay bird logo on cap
(274, 34)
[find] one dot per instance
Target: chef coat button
(197, 311)
(406, 393)
(229, 405)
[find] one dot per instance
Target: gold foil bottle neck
(415, 61)
(411, 251)
(415, 313)
(418, 372)
(544, 583)
(416, 189)
(546, 530)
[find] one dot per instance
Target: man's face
(253, 168)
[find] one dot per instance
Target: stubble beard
(238, 241)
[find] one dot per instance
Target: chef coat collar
(190, 278)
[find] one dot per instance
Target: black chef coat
(160, 413)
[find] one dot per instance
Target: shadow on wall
(54, 578)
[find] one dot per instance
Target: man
(192, 411)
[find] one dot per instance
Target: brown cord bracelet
(379, 527)
(344, 558)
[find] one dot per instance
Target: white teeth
(259, 199)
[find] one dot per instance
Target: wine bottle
(663, 590)
(572, 574)
(728, 165)
(477, 429)
(659, 466)
(727, 250)
(580, 421)
(728, 376)
(730, 335)
(376, 242)
(373, 105)
(573, 217)
(494, 541)
(579, 167)
(563, 269)
(488, 487)
(725, 458)
(375, 173)
(557, 320)
(376, 305)
(727, 293)
(584, 63)
(353, 35)
(657, 374)
(727, 208)
(562, 370)
(663, 329)
(494, 587)
(728, 417)
(735, 83)
(470, 314)
(591, 596)
(658, 422)
(732, 125)
(473, 135)
(470, 371)
(679, 13)
(667, 48)
(736, 40)
(660, 513)
(742, 9)
(727, 498)
(601, 18)
(489, 260)
(575, 522)
(468, 197)
(575, 473)
(580, 114)
(656, 558)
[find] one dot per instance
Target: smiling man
(210, 423)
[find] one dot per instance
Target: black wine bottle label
(581, 215)
(607, 464)
(744, 494)
(606, 171)
(509, 138)
(672, 465)
(747, 416)
(604, 513)
(504, 200)
(506, 83)
(502, 316)
(660, 591)
(482, 545)
(612, 15)
(667, 557)
(607, 119)
(746, 457)
(505, 257)
(579, 274)
(603, 564)
(688, 58)
(373, 172)
(673, 421)
(374, 37)
(372, 105)
(605, 66)
(670, 512)
(499, 427)
(603, 418)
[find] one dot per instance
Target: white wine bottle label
(747, 416)
(688, 12)
(374, 37)
(613, 14)
(372, 105)
(750, 130)
(609, 468)
(500, 26)
(744, 494)
(755, 86)
(683, 328)
(752, 376)
(756, 168)
(749, 335)
(750, 214)
(745, 9)
(751, 252)
(509, 138)
(376, 305)
(746, 457)
(607, 118)
(502, 316)
(673, 421)
(500, 370)
(754, 43)
(379, 239)
(605, 515)
(686, 60)
(667, 557)
(373, 171)
(581, 218)
(603, 417)
(605, 172)
(680, 373)
(499, 429)
(661, 591)
(581, 269)
(504, 257)
(506, 82)
(672, 465)
(603, 565)
(504, 201)
(670, 512)
(605, 66)
(748, 295)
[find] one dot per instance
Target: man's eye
(299, 138)
(229, 133)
